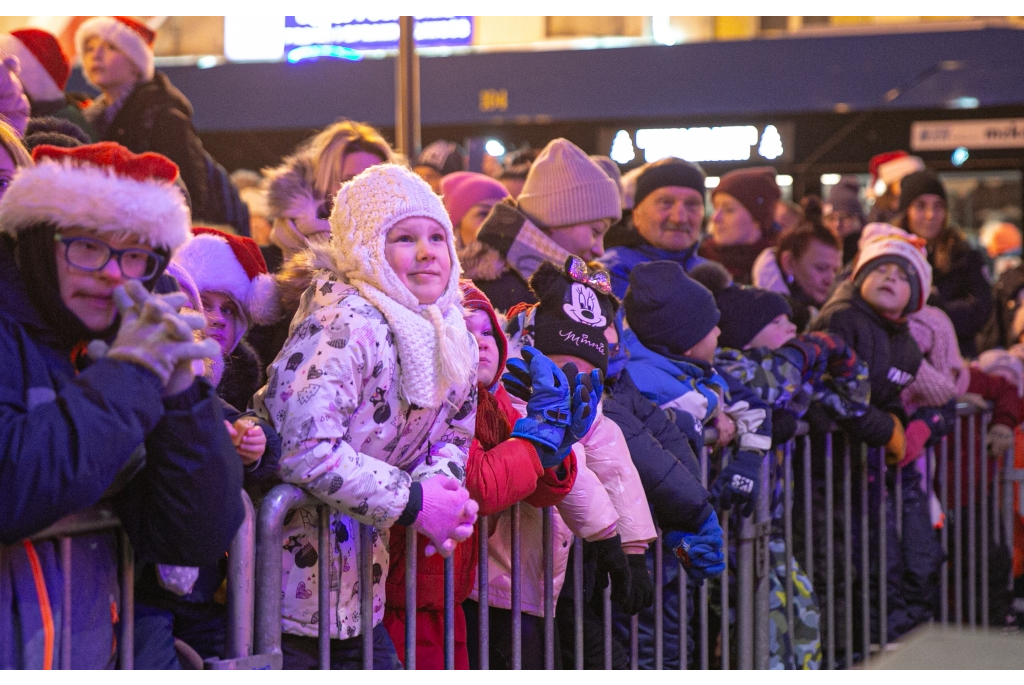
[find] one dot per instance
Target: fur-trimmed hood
(481, 262)
(294, 206)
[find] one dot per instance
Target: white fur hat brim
(212, 264)
(67, 194)
(126, 40)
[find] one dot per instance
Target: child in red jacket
(500, 471)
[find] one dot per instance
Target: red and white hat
(131, 37)
(880, 243)
(232, 265)
(103, 187)
(44, 66)
(890, 167)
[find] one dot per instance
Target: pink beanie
(463, 189)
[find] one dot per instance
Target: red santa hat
(103, 187)
(130, 36)
(233, 265)
(890, 167)
(44, 66)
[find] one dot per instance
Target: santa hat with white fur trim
(130, 36)
(103, 187)
(233, 265)
(44, 66)
(884, 244)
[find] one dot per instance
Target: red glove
(917, 434)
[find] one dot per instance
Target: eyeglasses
(90, 254)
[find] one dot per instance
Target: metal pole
(808, 509)
(830, 588)
(241, 585)
(684, 619)
(484, 611)
(407, 92)
(760, 630)
(848, 552)
(577, 600)
(972, 523)
(634, 643)
(547, 525)
(449, 613)
(65, 617)
(943, 471)
(324, 587)
(865, 555)
(411, 562)
(704, 637)
(883, 562)
(787, 523)
(984, 463)
(607, 619)
(126, 647)
(659, 619)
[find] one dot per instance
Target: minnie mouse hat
(576, 306)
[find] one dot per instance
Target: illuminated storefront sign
(305, 36)
(977, 133)
(705, 143)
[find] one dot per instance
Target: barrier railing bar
(449, 613)
(323, 514)
(411, 562)
(634, 643)
(943, 468)
(726, 520)
(883, 563)
(787, 524)
(577, 600)
(704, 637)
(549, 589)
(517, 590)
(607, 621)
(762, 565)
(898, 496)
(684, 619)
(65, 616)
(484, 619)
(848, 552)
(808, 510)
(830, 589)
(983, 462)
(972, 522)
(126, 645)
(659, 619)
(241, 585)
(865, 554)
(366, 594)
(957, 516)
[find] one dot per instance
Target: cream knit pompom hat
(436, 350)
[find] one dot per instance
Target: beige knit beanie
(565, 188)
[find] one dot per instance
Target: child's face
(887, 290)
(222, 319)
(417, 250)
(777, 333)
(479, 324)
(705, 349)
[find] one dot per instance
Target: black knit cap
(666, 308)
(572, 315)
(917, 184)
(670, 171)
(745, 311)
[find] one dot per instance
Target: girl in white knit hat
(374, 395)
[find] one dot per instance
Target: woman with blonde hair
(13, 155)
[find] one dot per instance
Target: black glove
(783, 426)
(611, 564)
(739, 482)
(641, 588)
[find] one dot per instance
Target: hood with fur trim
(293, 204)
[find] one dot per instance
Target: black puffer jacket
(964, 293)
(888, 349)
(156, 117)
(662, 455)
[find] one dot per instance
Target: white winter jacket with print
(353, 442)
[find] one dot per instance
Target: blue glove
(700, 552)
(586, 390)
(548, 412)
(739, 483)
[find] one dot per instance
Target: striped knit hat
(565, 188)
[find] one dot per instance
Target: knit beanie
(670, 171)
(233, 265)
(890, 167)
(885, 244)
(103, 187)
(128, 35)
(745, 311)
(566, 188)
(575, 307)
(845, 197)
(756, 190)
(666, 307)
(474, 300)
(610, 167)
(443, 156)
(463, 189)
(44, 66)
(919, 183)
(436, 349)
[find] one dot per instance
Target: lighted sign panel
(374, 33)
(768, 143)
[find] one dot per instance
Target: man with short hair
(668, 213)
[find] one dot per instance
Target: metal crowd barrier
(101, 518)
(845, 579)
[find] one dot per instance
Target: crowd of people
(418, 345)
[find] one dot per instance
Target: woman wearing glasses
(95, 368)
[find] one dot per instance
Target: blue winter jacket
(64, 438)
(620, 261)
